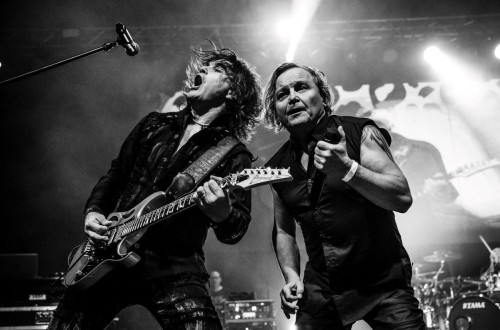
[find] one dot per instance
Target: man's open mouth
(198, 80)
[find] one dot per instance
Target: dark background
(61, 129)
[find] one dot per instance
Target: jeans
(399, 311)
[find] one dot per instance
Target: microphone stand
(105, 47)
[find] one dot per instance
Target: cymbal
(440, 256)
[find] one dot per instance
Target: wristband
(352, 170)
(216, 225)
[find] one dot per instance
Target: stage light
(302, 12)
(285, 28)
(448, 67)
(433, 54)
(459, 77)
(497, 52)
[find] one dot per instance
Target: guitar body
(89, 263)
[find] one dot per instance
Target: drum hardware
(460, 284)
(434, 300)
(423, 278)
(436, 295)
(434, 273)
(456, 302)
(416, 267)
(429, 316)
(469, 280)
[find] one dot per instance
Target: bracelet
(352, 170)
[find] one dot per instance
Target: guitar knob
(79, 273)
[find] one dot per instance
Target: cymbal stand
(435, 277)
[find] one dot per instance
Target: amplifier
(249, 314)
(256, 325)
(37, 291)
(26, 317)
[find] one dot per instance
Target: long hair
(327, 94)
(246, 109)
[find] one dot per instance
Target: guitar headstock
(254, 177)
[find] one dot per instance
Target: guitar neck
(158, 214)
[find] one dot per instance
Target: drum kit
(456, 303)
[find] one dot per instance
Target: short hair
(246, 109)
(327, 94)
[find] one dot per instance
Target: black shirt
(354, 247)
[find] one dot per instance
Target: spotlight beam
(302, 12)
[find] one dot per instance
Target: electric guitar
(88, 263)
(465, 171)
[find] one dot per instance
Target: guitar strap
(202, 167)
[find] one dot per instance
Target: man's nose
(293, 97)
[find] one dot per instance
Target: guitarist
(223, 96)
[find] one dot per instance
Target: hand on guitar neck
(213, 200)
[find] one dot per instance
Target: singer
(357, 267)
(223, 95)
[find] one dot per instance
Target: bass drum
(474, 313)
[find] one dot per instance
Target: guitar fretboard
(245, 179)
(157, 215)
(163, 212)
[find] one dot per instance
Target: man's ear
(231, 96)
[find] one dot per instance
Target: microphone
(125, 39)
(332, 136)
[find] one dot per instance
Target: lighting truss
(328, 33)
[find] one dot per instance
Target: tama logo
(474, 305)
